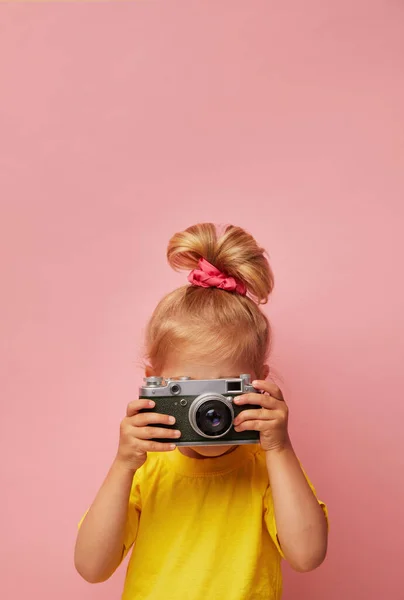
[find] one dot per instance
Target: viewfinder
(234, 386)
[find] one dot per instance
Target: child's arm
(99, 546)
(100, 541)
(301, 524)
(300, 521)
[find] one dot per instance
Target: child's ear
(149, 371)
(265, 371)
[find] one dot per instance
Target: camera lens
(211, 415)
(213, 418)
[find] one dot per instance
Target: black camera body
(203, 408)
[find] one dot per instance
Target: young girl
(207, 522)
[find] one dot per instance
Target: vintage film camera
(203, 408)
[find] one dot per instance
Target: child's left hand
(271, 420)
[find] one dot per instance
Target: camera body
(203, 408)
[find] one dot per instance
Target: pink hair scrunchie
(209, 276)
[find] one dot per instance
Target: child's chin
(212, 451)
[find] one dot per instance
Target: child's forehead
(203, 370)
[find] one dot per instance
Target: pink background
(122, 123)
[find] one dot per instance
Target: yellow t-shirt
(203, 529)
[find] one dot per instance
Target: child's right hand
(135, 435)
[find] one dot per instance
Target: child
(206, 522)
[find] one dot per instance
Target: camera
(203, 408)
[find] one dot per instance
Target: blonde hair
(210, 322)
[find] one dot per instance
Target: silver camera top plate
(158, 386)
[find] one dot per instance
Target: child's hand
(271, 420)
(135, 437)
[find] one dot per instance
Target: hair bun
(235, 253)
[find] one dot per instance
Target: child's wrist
(123, 468)
(280, 448)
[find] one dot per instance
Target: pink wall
(124, 122)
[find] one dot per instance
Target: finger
(143, 419)
(261, 414)
(148, 433)
(253, 425)
(263, 400)
(136, 405)
(146, 446)
(269, 387)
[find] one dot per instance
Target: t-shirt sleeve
(269, 513)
